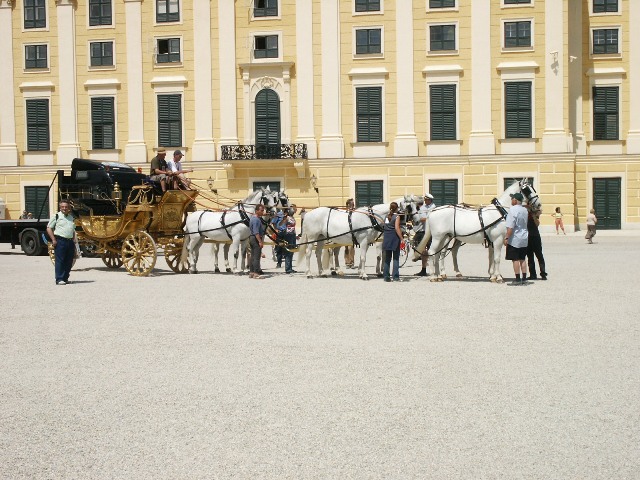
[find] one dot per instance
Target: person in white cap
(175, 166)
(424, 210)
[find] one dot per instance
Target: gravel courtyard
(216, 376)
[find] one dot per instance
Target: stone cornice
(66, 3)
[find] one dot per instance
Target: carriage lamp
(210, 183)
(314, 182)
(117, 195)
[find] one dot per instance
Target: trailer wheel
(30, 243)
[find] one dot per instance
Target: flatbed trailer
(26, 233)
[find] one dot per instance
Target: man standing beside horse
(517, 238)
(256, 241)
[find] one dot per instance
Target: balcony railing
(271, 152)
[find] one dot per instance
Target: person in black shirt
(534, 247)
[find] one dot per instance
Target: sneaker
(291, 271)
(278, 265)
(543, 275)
(61, 282)
(387, 279)
(397, 280)
(533, 277)
(421, 273)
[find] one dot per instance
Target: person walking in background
(62, 230)
(517, 238)
(24, 215)
(391, 239)
(350, 250)
(591, 225)
(534, 247)
(559, 223)
(256, 241)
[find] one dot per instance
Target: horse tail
(420, 248)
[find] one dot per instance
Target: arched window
(267, 124)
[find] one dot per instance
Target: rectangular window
(100, 12)
(369, 114)
(442, 37)
(367, 5)
(605, 6)
(274, 186)
(168, 50)
(167, 11)
(38, 125)
(368, 41)
(103, 131)
(605, 113)
(35, 56)
(36, 201)
(35, 14)
(445, 192)
(517, 109)
(369, 193)
(516, 2)
(443, 112)
(517, 34)
(442, 3)
(508, 181)
(265, 46)
(170, 120)
(265, 8)
(605, 40)
(101, 54)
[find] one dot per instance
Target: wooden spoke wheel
(111, 259)
(52, 254)
(172, 254)
(139, 253)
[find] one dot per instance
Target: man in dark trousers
(256, 241)
(534, 247)
(62, 230)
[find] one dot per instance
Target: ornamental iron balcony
(259, 152)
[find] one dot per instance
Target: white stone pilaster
(203, 146)
(228, 72)
(554, 137)
(136, 149)
(481, 138)
(304, 72)
(406, 142)
(331, 142)
(633, 136)
(68, 147)
(576, 78)
(8, 147)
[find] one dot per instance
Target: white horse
(223, 226)
(282, 200)
(363, 226)
(471, 225)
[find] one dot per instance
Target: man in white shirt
(517, 238)
(175, 166)
(424, 211)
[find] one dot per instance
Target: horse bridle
(529, 192)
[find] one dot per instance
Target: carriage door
(445, 192)
(267, 124)
(607, 202)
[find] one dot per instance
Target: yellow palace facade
(370, 99)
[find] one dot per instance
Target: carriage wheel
(111, 259)
(172, 254)
(52, 254)
(139, 253)
(405, 251)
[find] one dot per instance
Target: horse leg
(225, 251)
(435, 260)
(214, 253)
(379, 259)
(336, 266)
(364, 246)
(234, 248)
(496, 263)
(454, 255)
(319, 249)
(194, 253)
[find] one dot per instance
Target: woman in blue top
(391, 243)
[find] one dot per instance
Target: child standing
(559, 223)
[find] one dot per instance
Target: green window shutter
(265, 8)
(36, 199)
(38, 125)
(103, 122)
(267, 107)
(605, 113)
(445, 192)
(369, 192)
(443, 112)
(369, 114)
(170, 120)
(508, 181)
(273, 185)
(518, 121)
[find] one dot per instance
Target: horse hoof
(443, 277)
(341, 274)
(333, 273)
(433, 280)
(193, 272)
(499, 280)
(379, 275)
(459, 275)
(324, 275)
(217, 270)
(229, 270)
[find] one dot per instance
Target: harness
(244, 218)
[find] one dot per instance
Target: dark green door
(607, 198)
(267, 124)
(445, 192)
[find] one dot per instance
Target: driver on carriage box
(424, 208)
(159, 169)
